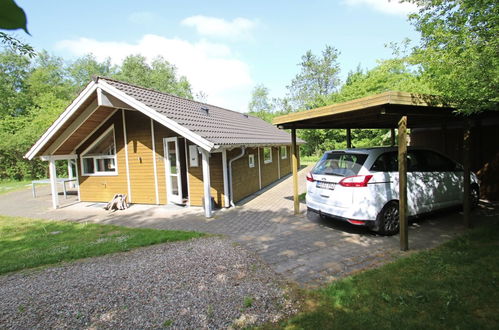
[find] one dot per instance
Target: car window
(435, 162)
(415, 162)
(386, 162)
(340, 163)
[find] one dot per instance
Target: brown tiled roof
(218, 125)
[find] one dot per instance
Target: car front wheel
(387, 221)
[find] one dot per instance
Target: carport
(389, 110)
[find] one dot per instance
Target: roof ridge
(96, 78)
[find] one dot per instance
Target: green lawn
(309, 160)
(7, 186)
(27, 243)
(455, 286)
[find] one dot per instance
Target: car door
(421, 190)
(447, 178)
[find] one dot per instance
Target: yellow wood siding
(103, 188)
(269, 170)
(140, 158)
(196, 187)
(285, 163)
(244, 179)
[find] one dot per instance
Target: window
(284, 152)
(386, 162)
(267, 155)
(340, 164)
(251, 160)
(434, 162)
(100, 157)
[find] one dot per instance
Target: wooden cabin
(159, 149)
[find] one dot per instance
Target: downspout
(243, 150)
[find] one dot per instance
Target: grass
(309, 160)
(248, 302)
(12, 185)
(455, 286)
(27, 243)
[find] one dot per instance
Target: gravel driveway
(202, 283)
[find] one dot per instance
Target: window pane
(341, 164)
(105, 146)
(105, 165)
(267, 155)
(284, 152)
(88, 165)
(174, 185)
(437, 163)
(386, 162)
(172, 156)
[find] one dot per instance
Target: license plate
(326, 185)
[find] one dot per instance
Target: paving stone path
(304, 248)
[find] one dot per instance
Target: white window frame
(267, 161)
(251, 160)
(285, 154)
(95, 158)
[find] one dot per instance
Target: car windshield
(340, 164)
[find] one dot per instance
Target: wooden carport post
(294, 165)
(466, 175)
(402, 161)
(349, 138)
(392, 137)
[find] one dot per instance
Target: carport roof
(376, 111)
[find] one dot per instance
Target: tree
(40, 90)
(260, 104)
(84, 68)
(459, 50)
(160, 75)
(16, 45)
(396, 74)
(34, 92)
(318, 78)
(14, 70)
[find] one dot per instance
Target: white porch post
(77, 179)
(226, 178)
(207, 184)
(70, 173)
(53, 183)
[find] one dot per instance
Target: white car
(361, 186)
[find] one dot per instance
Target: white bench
(59, 180)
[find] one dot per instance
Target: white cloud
(237, 29)
(209, 67)
(393, 7)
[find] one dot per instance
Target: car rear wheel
(387, 222)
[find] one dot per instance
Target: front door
(172, 168)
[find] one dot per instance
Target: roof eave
(49, 133)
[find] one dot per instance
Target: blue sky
(224, 48)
